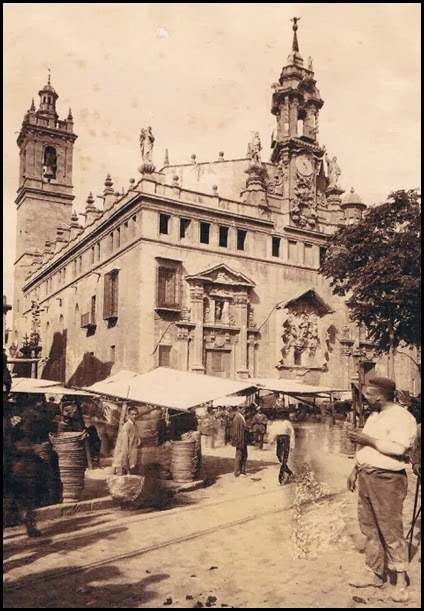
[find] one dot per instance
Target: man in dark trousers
(281, 432)
(239, 441)
(388, 435)
(259, 424)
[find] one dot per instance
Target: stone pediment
(307, 298)
(222, 275)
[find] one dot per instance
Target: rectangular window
(110, 303)
(204, 233)
(276, 246)
(80, 264)
(164, 224)
(293, 250)
(184, 225)
(322, 253)
(168, 287)
(93, 310)
(164, 356)
(223, 236)
(133, 225)
(64, 275)
(74, 266)
(112, 354)
(92, 255)
(98, 252)
(118, 237)
(125, 232)
(241, 239)
(309, 255)
(111, 242)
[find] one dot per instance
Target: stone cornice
(35, 129)
(44, 194)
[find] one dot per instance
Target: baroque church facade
(206, 267)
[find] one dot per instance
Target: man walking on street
(282, 433)
(380, 474)
(239, 441)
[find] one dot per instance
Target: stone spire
(32, 107)
(295, 57)
(295, 44)
(166, 160)
(75, 226)
(90, 210)
(108, 193)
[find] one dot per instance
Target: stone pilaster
(240, 301)
(196, 299)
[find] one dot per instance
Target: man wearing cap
(382, 482)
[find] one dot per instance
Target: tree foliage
(376, 264)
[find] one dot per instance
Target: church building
(205, 267)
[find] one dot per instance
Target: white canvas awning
(295, 388)
(168, 387)
(229, 402)
(43, 387)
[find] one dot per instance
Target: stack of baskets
(151, 427)
(196, 437)
(184, 461)
(72, 463)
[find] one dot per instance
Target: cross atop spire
(295, 44)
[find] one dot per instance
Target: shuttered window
(110, 303)
(167, 287)
(164, 356)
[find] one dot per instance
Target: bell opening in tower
(49, 163)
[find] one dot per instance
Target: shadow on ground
(82, 589)
(213, 467)
(27, 550)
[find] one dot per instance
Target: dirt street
(242, 543)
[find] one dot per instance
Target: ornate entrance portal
(221, 310)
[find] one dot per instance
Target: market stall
(304, 393)
(43, 424)
(165, 396)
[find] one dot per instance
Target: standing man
(239, 441)
(388, 434)
(259, 424)
(126, 452)
(282, 433)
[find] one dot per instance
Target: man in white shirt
(382, 486)
(282, 433)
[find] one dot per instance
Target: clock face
(304, 165)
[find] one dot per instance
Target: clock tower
(296, 152)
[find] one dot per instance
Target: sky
(201, 74)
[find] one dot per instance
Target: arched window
(76, 315)
(49, 163)
(61, 324)
(47, 338)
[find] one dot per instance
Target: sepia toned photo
(211, 305)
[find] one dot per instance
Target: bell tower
(44, 198)
(296, 152)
